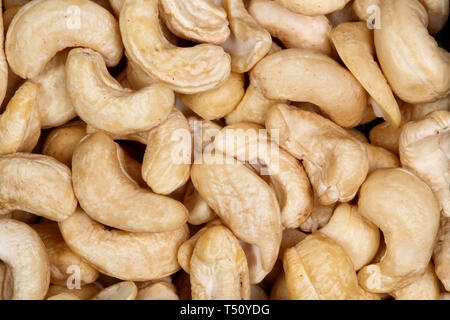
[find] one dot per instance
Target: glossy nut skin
(124, 255)
(29, 49)
(36, 184)
(109, 195)
(244, 202)
(394, 200)
(304, 75)
(337, 168)
(185, 70)
(412, 78)
(319, 269)
(30, 268)
(219, 268)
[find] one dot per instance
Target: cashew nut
(313, 7)
(199, 211)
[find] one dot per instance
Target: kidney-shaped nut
(249, 42)
(441, 253)
(196, 20)
(42, 28)
(354, 43)
(437, 14)
(23, 251)
(186, 70)
(125, 290)
(250, 143)
(102, 102)
(219, 268)
(244, 202)
(359, 237)
(124, 255)
(109, 195)
(335, 162)
(167, 158)
(64, 263)
(307, 76)
(296, 30)
(402, 43)
(406, 211)
(36, 184)
(52, 98)
(217, 103)
(425, 150)
(317, 268)
(313, 7)
(20, 124)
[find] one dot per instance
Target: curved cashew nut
(307, 76)
(249, 143)
(441, 253)
(36, 184)
(394, 200)
(252, 108)
(120, 254)
(219, 268)
(217, 103)
(20, 124)
(401, 44)
(23, 251)
(354, 43)
(297, 30)
(313, 7)
(125, 290)
(62, 259)
(424, 287)
(359, 237)
(84, 293)
(102, 102)
(244, 202)
(249, 42)
(109, 195)
(167, 158)
(335, 162)
(61, 142)
(425, 150)
(72, 23)
(52, 98)
(185, 70)
(437, 14)
(196, 20)
(318, 258)
(160, 290)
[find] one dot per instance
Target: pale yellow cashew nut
(313, 7)
(109, 195)
(69, 23)
(23, 251)
(424, 287)
(185, 70)
(307, 76)
(406, 211)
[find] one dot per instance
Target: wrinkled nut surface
(219, 267)
(402, 43)
(296, 30)
(304, 75)
(109, 195)
(23, 251)
(20, 124)
(196, 20)
(253, 215)
(185, 70)
(120, 254)
(354, 43)
(406, 211)
(100, 101)
(36, 184)
(42, 28)
(335, 162)
(424, 148)
(319, 269)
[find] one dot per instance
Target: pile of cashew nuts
(213, 149)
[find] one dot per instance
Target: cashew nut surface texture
(312, 7)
